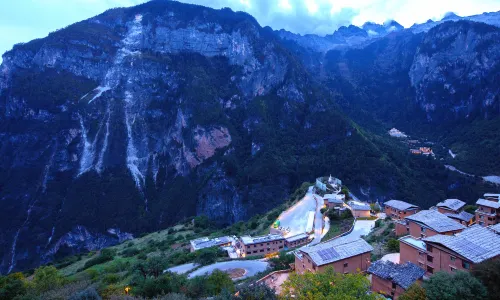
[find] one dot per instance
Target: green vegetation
(327, 285)
(393, 245)
(338, 223)
(383, 239)
(457, 285)
(470, 209)
(488, 273)
(282, 261)
(415, 292)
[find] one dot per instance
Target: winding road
(251, 267)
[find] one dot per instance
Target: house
(261, 245)
(487, 212)
(415, 151)
(452, 252)
(462, 217)
(427, 223)
(396, 133)
(450, 206)
(206, 242)
(392, 279)
(397, 209)
(462, 250)
(426, 151)
(334, 200)
(492, 197)
(296, 240)
(344, 254)
(359, 209)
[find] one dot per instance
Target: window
(452, 269)
(261, 250)
(393, 285)
(423, 229)
(255, 251)
(420, 253)
(249, 253)
(452, 258)
(345, 265)
(281, 247)
(466, 265)
(428, 247)
(429, 258)
(430, 269)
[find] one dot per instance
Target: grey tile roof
(495, 228)
(296, 237)
(488, 203)
(335, 198)
(435, 221)
(206, 242)
(356, 206)
(463, 216)
(247, 240)
(403, 275)
(453, 204)
(337, 249)
(401, 205)
(476, 243)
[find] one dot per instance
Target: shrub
(111, 278)
(12, 286)
(46, 278)
(393, 245)
(88, 294)
(378, 223)
(129, 252)
(458, 285)
(92, 273)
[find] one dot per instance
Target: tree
(375, 207)
(207, 256)
(327, 285)
(393, 245)
(454, 286)
(282, 262)
(346, 214)
(12, 285)
(470, 209)
(488, 272)
(219, 281)
(47, 278)
(414, 292)
(256, 292)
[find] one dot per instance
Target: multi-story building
(488, 212)
(359, 210)
(344, 254)
(296, 240)
(206, 242)
(334, 200)
(397, 209)
(392, 279)
(261, 245)
(462, 217)
(492, 197)
(427, 223)
(452, 252)
(453, 206)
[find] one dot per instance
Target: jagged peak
(450, 16)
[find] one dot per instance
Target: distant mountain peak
(450, 16)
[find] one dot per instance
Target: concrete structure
(452, 252)
(334, 200)
(296, 240)
(206, 242)
(398, 209)
(427, 223)
(328, 184)
(261, 245)
(344, 254)
(453, 206)
(396, 133)
(392, 279)
(359, 209)
(462, 217)
(488, 212)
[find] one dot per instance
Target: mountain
(141, 117)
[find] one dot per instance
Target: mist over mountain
(137, 118)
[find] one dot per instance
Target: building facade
(392, 280)
(454, 206)
(262, 245)
(427, 223)
(487, 212)
(296, 240)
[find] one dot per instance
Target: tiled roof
(401, 205)
(463, 216)
(495, 228)
(337, 249)
(403, 275)
(476, 243)
(413, 241)
(488, 203)
(296, 237)
(261, 239)
(359, 206)
(335, 198)
(435, 220)
(453, 204)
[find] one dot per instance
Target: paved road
(318, 220)
(182, 269)
(361, 227)
(252, 267)
(295, 217)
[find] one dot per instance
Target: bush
(88, 294)
(46, 278)
(208, 256)
(12, 286)
(129, 252)
(393, 245)
(92, 273)
(378, 223)
(346, 214)
(457, 285)
(111, 278)
(488, 272)
(282, 262)
(100, 259)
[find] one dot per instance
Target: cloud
(325, 16)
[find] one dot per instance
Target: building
(334, 200)
(296, 240)
(261, 245)
(398, 209)
(492, 197)
(462, 217)
(344, 254)
(396, 133)
(360, 210)
(426, 151)
(452, 252)
(328, 184)
(392, 279)
(415, 151)
(450, 206)
(427, 223)
(206, 242)
(487, 212)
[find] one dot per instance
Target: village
(444, 237)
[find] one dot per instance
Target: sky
(24, 20)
